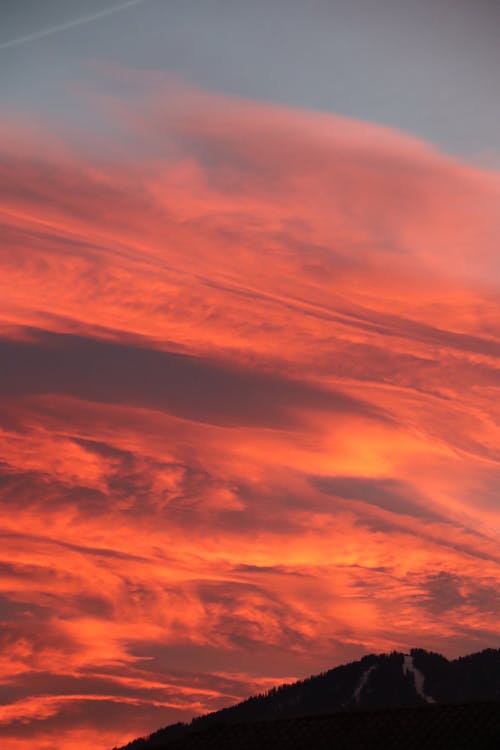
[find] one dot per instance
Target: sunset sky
(249, 350)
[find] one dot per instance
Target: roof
(473, 726)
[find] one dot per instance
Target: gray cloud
(187, 386)
(444, 591)
(414, 66)
(389, 494)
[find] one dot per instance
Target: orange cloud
(249, 393)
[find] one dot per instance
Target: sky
(249, 347)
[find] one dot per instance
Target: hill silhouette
(470, 685)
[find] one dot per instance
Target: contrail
(68, 25)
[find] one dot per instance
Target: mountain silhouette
(389, 687)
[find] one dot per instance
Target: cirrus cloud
(249, 414)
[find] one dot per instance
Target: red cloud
(248, 409)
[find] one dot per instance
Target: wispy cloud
(248, 409)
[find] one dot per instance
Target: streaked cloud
(248, 408)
